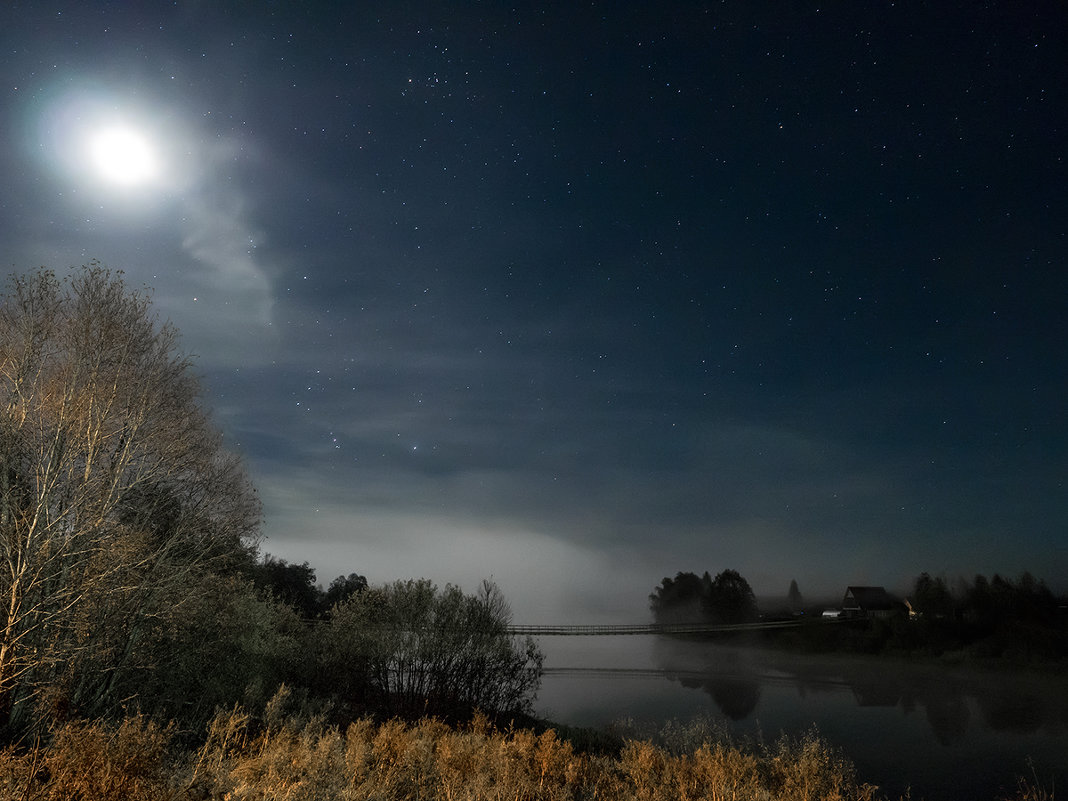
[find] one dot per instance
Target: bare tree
(115, 492)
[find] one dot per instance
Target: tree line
(987, 617)
(130, 575)
(998, 617)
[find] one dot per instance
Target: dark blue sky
(582, 297)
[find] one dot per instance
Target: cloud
(222, 242)
(227, 301)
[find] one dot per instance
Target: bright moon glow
(123, 156)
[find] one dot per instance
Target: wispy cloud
(227, 294)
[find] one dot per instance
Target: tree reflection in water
(734, 678)
(948, 716)
(933, 729)
(734, 687)
(1013, 712)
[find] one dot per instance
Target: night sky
(583, 296)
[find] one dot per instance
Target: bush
(412, 650)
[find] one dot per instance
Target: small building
(871, 602)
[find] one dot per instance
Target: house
(870, 602)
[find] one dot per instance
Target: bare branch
(114, 488)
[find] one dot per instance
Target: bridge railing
(646, 628)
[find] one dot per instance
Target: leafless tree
(115, 492)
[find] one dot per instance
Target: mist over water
(939, 732)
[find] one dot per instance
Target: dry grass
(303, 759)
(92, 762)
(1033, 789)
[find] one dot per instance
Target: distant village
(1019, 620)
(873, 602)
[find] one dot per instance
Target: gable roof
(869, 598)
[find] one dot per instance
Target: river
(941, 733)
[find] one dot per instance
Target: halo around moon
(111, 152)
(122, 155)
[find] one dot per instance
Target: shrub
(412, 650)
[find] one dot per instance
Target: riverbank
(1040, 649)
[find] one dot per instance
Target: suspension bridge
(579, 630)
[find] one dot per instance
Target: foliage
(116, 496)
(731, 599)
(234, 646)
(341, 589)
(410, 649)
(292, 584)
(295, 585)
(682, 599)
(687, 598)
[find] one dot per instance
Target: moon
(123, 156)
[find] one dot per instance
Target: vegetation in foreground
(289, 755)
(293, 756)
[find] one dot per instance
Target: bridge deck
(646, 628)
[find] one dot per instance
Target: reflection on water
(946, 733)
(735, 691)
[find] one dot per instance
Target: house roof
(870, 598)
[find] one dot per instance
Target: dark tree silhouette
(341, 589)
(291, 584)
(689, 598)
(295, 585)
(682, 599)
(794, 596)
(731, 599)
(931, 596)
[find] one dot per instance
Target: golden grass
(128, 762)
(304, 759)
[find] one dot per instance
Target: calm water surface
(944, 733)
